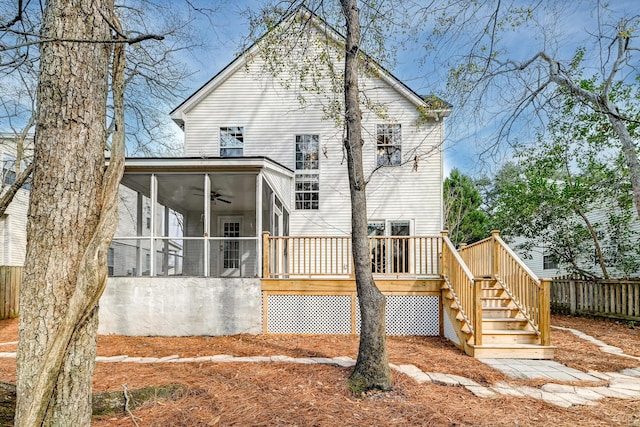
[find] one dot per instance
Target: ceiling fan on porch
(215, 196)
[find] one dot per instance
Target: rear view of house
(249, 232)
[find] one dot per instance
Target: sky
(468, 134)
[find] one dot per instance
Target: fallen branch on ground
(106, 402)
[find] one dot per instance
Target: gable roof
(442, 110)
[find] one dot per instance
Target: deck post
(445, 234)
(265, 254)
(477, 312)
(495, 255)
(545, 312)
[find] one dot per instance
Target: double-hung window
(307, 179)
(231, 141)
(8, 169)
(549, 262)
(388, 145)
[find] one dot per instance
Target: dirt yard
(266, 394)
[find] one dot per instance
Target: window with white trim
(8, 169)
(549, 262)
(307, 179)
(231, 141)
(388, 145)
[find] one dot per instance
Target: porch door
(399, 256)
(230, 248)
(390, 251)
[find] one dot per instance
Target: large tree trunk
(629, 150)
(71, 214)
(372, 368)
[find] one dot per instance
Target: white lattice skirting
(331, 314)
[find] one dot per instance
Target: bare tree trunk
(596, 242)
(628, 150)
(72, 214)
(372, 368)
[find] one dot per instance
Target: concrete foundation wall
(181, 306)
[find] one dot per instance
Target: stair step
(512, 351)
(509, 337)
(500, 312)
(495, 301)
(505, 324)
(492, 292)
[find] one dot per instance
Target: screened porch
(176, 221)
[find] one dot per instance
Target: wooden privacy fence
(10, 278)
(618, 299)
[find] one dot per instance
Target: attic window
(231, 141)
(388, 145)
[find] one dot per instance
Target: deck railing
(491, 257)
(465, 290)
(331, 256)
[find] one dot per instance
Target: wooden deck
(494, 303)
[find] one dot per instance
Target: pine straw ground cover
(315, 395)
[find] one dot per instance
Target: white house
(249, 231)
(263, 154)
(13, 224)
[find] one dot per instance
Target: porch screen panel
(130, 257)
(267, 213)
(179, 224)
(130, 250)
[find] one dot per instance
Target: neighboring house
(249, 232)
(13, 224)
(619, 242)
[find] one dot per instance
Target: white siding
(13, 227)
(282, 185)
(272, 115)
(534, 258)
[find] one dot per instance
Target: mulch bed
(316, 395)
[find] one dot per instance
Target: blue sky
(467, 136)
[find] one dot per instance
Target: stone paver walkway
(604, 347)
(538, 369)
(622, 385)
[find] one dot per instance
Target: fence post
(573, 295)
(10, 280)
(544, 308)
(265, 254)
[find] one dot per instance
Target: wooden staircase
(489, 318)
(505, 331)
